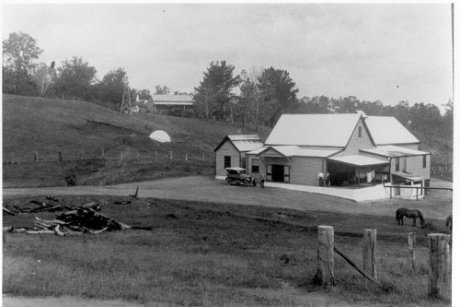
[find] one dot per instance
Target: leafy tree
(401, 111)
(143, 94)
(162, 90)
(20, 51)
(278, 94)
(75, 79)
(113, 85)
(18, 83)
(347, 105)
(448, 119)
(214, 95)
(44, 76)
(426, 119)
(314, 105)
(249, 98)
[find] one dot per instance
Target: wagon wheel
(228, 180)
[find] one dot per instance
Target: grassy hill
(99, 145)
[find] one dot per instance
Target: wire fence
(114, 155)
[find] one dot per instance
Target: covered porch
(357, 171)
(406, 185)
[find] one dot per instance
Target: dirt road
(199, 188)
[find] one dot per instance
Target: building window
(255, 166)
(424, 161)
(360, 132)
(227, 161)
(397, 164)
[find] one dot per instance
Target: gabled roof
(394, 151)
(386, 130)
(325, 130)
(242, 142)
(335, 130)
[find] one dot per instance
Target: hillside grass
(115, 146)
(204, 254)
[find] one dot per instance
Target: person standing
(321, 179)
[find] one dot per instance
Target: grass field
(199, 253)
(50, 126)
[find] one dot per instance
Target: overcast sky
(390, 52)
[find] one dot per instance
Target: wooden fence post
(60, 157)
(102, 152)
(81, 155)
(202, 156)
(186, 157)
(35, 157)
(369, 251)
(326, 255)
(156, 155)
(170, 155)
(411, 240)
(438, 278)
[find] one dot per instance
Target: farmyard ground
(216, 253)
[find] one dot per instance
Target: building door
(277, 173)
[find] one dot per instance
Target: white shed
(231, 152)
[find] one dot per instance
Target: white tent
(160, 136)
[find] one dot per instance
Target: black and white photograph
(228, 154)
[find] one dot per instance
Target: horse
(449, 221)
(409, 213)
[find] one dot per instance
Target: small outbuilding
(231, 152)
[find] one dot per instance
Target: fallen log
(37, 202)
(49, 208)
(96, 232)
(50, 221)
(92, 205)
(58, 231)
(43, 225)
(52, 198)
(8, 211)
(18, 229)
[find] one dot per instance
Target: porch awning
(296, 151)
(394, 151)
(408, 176)
(359, 161)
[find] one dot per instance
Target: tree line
(251, 98)
(265, 95)
(73, 78)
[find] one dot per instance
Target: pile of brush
(84, 219)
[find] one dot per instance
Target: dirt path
(199, 188)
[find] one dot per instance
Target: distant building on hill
(166, 104)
